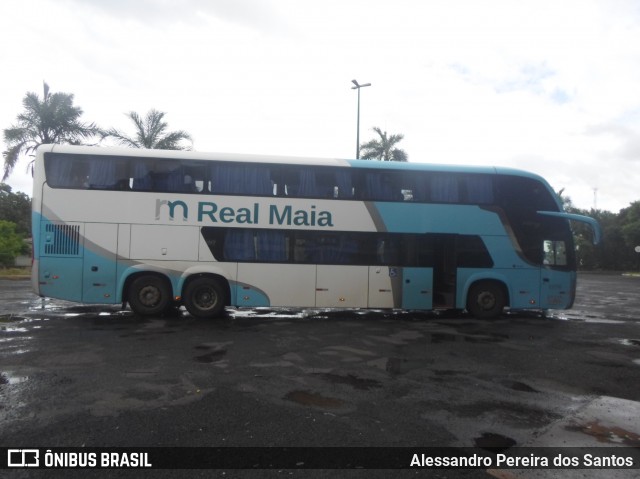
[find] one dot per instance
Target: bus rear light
(532, 301)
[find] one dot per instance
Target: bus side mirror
(595, 226)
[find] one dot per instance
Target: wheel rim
(149, 296)
(205, 298)
(486, 300)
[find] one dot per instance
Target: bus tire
(204, 297)
(486, 300)
(149, 295)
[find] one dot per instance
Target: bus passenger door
(417, 288)
(557, 287)
(99, 270)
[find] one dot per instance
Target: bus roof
(284, 160)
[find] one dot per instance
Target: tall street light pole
(357, 87)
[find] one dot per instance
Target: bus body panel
(423, 218)
(276, 285)
(385, 287)
(341, 286)
(60, 278)
(164, 243)
(89, 241)
(555, 291)
(99, 262)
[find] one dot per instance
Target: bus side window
(344, 184)
(444, 188)
(325, 183)
(555, 253)
(302, 249)
(108, 173)
(239, 245)
(241, 179)
(272, 246)
(387, 251)
(307, 186)
(141, 179)
(172, 180)
(214, 239)
(479, 189)
(417, 184)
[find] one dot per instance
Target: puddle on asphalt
(307, 398)
(588, 317)
(210, 357)
(494, 442)
(8, 378)
(265, 313)
(13, 329)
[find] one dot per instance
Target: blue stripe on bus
(421, 218)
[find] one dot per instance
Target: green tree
(150, 132)
(15, 207)
(11, 243)
(384, 148)
(50, 119)
(630, 218)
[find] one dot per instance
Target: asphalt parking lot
(80, 376)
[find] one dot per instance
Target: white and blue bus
(159, 229)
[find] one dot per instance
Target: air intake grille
(62, 240)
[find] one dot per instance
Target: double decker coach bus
(156, 229)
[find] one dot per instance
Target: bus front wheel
(486, 300)
(149, 295)
(204, 297)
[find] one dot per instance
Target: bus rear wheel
(486, 300)
(204, 297)
(149, 295)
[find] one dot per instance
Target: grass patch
(13, 272)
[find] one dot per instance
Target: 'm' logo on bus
(209, 212)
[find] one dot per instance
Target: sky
(552, 87)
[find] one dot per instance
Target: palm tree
(52, 119)
(383, 149)
(567, 203)
(151, 132)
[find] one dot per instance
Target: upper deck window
(106, 172)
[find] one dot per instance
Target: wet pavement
(73, 375)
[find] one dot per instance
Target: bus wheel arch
(205, 295)
(486, 299)
(148, 293)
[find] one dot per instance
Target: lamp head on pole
(358, 85)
